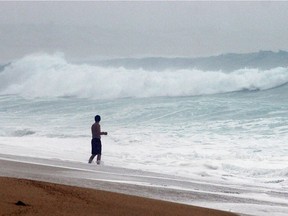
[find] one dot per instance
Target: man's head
(97, 118)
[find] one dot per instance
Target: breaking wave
(44, 75)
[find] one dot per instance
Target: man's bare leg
(91, 158)
(98, 158)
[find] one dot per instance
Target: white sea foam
(44, 75)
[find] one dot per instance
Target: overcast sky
(86, 30)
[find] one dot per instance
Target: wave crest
(52, 76)
(24, 132)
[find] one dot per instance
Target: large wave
(44, 75)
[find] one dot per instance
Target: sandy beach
(57, 187)
(40, 198)
(31, 186)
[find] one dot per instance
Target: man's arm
(102, 133)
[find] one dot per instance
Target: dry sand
(43, 198)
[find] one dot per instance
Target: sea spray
(43, 75)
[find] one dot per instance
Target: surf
(44, 75)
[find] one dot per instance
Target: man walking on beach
(96, 140)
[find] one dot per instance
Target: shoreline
(109, 181)
(29, 197)
(135, 183)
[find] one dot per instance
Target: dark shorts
(96, 146)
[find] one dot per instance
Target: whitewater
(211, 126)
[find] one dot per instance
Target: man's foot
(89, 161)
(98, 162)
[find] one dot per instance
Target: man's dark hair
(97, 118)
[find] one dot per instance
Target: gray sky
(87, 30)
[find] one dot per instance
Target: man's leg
(91, 158)
(98, 158)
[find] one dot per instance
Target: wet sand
(43, 198)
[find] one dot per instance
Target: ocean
(210, 125)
